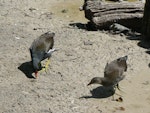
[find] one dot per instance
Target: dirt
(82, 55)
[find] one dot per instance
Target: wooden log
(103, 14)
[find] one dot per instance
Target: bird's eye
(119, 59)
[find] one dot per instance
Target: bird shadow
(101, 92)
(27, 69)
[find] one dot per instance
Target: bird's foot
(46, 66)
(43, 69)
(120, 99)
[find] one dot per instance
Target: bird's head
(49, 34)
(122, 59)
(36, 65)
(96, 80)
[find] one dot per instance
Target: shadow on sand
(27, 69)
(101, 92)
(131, 36)
(88, 26)
(148, 52)
(144, 44)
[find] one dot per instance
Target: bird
(40, 49)
(113, 73)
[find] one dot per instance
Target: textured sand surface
(82, 55)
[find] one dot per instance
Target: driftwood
(103, 14)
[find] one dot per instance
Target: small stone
(17, 38)
(64, 11)
(32, 9)
(88, 43)
(146, 83)
(120, 99)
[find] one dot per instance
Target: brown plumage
(41, 49)
(113, 73)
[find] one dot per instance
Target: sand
(82, 55)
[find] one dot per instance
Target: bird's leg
(48, 54)
(43, 69)
(47, 64)
(118, 87)
(112, 91)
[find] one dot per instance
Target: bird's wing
(108, 70)
(41, 46)
(111, 70)
(48, 40)
(125, 67)
(38, 49)
(31, 53)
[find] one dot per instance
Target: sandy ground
(63, 88)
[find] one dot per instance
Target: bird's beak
(89, 84)
(36, 74)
